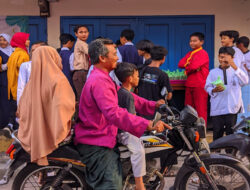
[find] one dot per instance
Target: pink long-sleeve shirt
(100, 116)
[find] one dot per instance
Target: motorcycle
(236, 144)
(187, 138)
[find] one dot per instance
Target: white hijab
(8, 50)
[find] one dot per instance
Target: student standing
(5, 51)
(196, 65)
(81, 59)
(25, 70)
(128, 52)
(243, 44)
(67, 41)
(226, 102)
(153, 81)
(143, 48)
(81, 62)
(228, 39)
(20, 41)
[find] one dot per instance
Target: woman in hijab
(5, 51)
(46, 106)
(20, 41)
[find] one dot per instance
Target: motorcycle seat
(66, 151)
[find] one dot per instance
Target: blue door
(186, 26)
(68, 24)
(112, 27)
(37, 29)
(161, 32)
(171, 32)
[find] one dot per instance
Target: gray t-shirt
(126, 100)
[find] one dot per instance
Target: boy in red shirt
(196, 65)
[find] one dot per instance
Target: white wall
(229, 14)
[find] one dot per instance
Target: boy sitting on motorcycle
(128, 74)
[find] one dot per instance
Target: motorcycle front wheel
(227, 176)
(235, 153)
(34, 177)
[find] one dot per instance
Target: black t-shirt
(126, 100)
(152, 82)
(147, 62)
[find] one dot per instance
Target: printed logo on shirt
(151, 78)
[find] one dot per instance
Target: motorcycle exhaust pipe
(162, 184)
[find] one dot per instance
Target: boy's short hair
(158, 52)
(200, 35)
(144, 45)
(227, 50)
(42, 43)
(124, 70)
(65, 37)
(79, 26)
(231, 34)
(128, 34)
(244, 40)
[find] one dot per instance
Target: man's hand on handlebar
(159, 126)
(159, 103)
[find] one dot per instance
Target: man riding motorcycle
(100, 117)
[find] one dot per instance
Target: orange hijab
(46, 106)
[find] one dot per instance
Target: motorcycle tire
(234, 152)
(225, 168)
(32, 169)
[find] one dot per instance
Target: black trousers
(13, 109)
(223, 123)
(4, 106)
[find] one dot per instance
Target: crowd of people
(111, 91)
